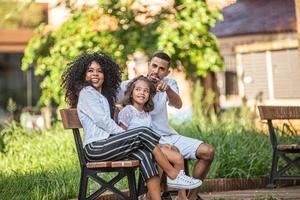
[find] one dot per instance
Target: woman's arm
(92, 105)
(125, 117)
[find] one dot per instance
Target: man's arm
(174, 98)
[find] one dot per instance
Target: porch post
(240, 76)
(297, 8)
(270, 75)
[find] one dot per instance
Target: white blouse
(130, 117)
(94, 115)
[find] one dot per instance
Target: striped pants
(136, 144)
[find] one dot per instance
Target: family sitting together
(92, 84)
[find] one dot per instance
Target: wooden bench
(90, 170)
(270, 113)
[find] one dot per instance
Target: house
(259, 44)
(15, 32)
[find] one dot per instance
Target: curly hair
(127, 100)
(73, 78)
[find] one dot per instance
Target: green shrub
(40, 164)
(242, 151)
(37, 165)
(44, 164)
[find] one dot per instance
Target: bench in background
(270, 113)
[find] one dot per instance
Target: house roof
(257, 16)
(14, 40)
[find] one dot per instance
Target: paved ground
(284, 193)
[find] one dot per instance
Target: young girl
(90, 83)
(137, 104)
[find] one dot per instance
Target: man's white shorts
(186, 145)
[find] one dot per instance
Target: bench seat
(113, 164)
(286, 147)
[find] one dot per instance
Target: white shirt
(159, 115)
(133, 118)
(94, 115)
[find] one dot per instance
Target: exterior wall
(267, 66)
(14, 41)
(227, 48)
(297, 7)
(228, 44)
(219, 3)
(255, 75)
(286, 73)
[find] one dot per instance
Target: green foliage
(242, 151)
(112, 27)
(11, 106)
(39, 165)
(33, 165)
(185, 35)
(44, 165)
(16, 14)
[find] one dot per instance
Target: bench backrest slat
(279, 112)
(71, 121)
(70, 118)
(270, 113)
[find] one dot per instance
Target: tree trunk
(209, 83)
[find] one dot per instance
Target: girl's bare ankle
(182, 195)
(172, 174)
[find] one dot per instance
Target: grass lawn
(38, 165)
(44, 165)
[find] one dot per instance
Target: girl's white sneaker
(183, 181)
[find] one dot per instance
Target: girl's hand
(123, 126)
(166, 146)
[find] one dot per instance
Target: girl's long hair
(127, 100)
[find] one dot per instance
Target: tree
(16, 14)
(113, 27)
(189, 40)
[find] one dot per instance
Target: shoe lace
(185, 178)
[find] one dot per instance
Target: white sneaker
(183, 181)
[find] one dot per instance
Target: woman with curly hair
(91, 83)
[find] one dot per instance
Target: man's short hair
(162, 55)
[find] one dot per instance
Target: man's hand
(174, 98)
(161, 86)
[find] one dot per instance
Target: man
(168, 92)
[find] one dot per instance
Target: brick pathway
(283, 193)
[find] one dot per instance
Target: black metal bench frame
(90, 170)
(270, 113)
